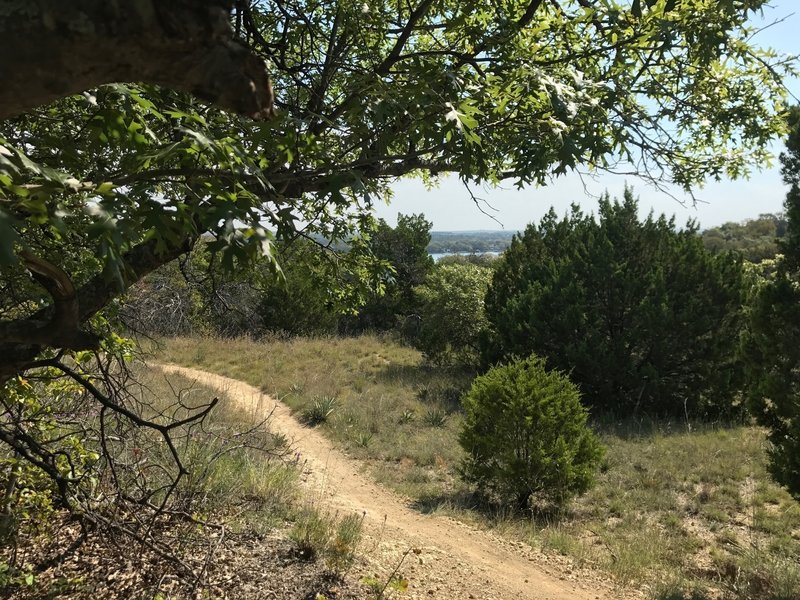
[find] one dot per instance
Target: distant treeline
(755, 238)
(477, 242)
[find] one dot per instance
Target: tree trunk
(91, 298)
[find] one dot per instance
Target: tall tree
(404, 251)
(638, 312)
(770, 348)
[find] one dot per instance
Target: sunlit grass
(686, 508)
(388, 407)
(248, 489)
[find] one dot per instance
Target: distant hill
(756, 239)
(444, 242)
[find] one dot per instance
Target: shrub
(319, 411)
(452, 314)
(334, 538)
(773, 372)
(435, 417)
(526, 437)
(638, 312)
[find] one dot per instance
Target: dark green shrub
(772, 355)
(526, 436)
(770, 346)
(639, 314)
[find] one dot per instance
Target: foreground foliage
(240, 485)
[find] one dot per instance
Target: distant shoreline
(437, 255)
(469, 242)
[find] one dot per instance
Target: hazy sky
(449, 206)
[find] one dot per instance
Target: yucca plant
(320, 410)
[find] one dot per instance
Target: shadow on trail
(458, 501)
(637, 427)
(485, 508)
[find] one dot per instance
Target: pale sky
(450, 208)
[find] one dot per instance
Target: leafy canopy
(110, 184)
(404, 252)
(452, 315)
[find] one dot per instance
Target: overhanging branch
(62, 328)
(21, 341)
(54, 49)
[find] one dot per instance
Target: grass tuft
(319, 411)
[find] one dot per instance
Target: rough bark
(54, 48)
(63, 327)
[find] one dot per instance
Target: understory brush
(239, 479)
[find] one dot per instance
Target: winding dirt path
(450, 560)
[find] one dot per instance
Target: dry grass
(253, 490)
(389, 409)
(688, 509)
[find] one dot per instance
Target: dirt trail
(455, 560)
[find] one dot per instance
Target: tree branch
(52, 50)
(62, 328)
(19, 342)
(402, 39)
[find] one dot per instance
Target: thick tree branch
(62, 328)
(52, 49)
(19, 341)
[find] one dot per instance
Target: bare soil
(439, 556)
